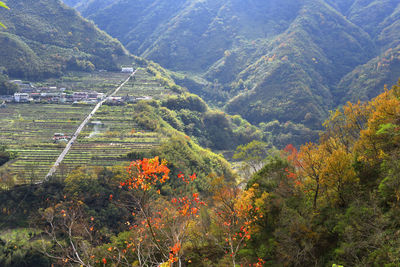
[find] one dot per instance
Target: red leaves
(176, 248)
(260, 263)
(146, 173)
(186, 180)
(186, 206)
(174, 252)
(193, 177)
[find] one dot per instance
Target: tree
(252, 155)
(234, 215)
(71, 232)
(7, 88)
(160, 224)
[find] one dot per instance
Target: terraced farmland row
(144, 84)
(101, 82)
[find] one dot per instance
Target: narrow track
(80, 128)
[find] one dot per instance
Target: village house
(7, 98)
(95, 96)
(21, 97)
(61, 137)
(127, 69)
(115, 101)
(79, 96)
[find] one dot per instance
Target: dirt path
(83, 124)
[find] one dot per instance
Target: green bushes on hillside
(7, 88)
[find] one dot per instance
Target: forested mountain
(285, 60)
(44, 38)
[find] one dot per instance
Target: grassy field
(28, 128)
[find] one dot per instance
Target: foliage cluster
(7, 88)
(189, 114)
(335, 201)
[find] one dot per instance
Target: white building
(127, 69)
(21, 97)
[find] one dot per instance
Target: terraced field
(144, 84)
(101, 82)
(107, 144)
(28, 129)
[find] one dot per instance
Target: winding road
(81, 126)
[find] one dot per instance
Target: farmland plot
(28, 129)
(101, 82)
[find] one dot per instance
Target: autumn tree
(160, 224)
(72, 234)
(234, 215)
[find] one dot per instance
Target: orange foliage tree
(234, 214)
(160, 226)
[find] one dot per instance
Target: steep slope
(381, 19)
(287, 60)
(293, 79)
(44, 38)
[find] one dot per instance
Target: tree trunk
(316, 196)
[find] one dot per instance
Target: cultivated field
(28, 128)
(101, 82)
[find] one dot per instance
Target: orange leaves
(174, 251)
(160, 220)
(186, 206)
(146, 173)
(260, 263)
(176, 248)
(187, 180)
(235, 215)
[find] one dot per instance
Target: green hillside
(44, 38)
(265, 60)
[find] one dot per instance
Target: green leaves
(384, 128)
(2, 4)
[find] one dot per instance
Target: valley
(158, 133)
